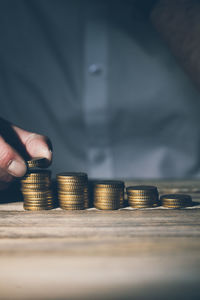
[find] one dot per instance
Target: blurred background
(102, 80)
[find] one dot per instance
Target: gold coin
(143, 198)
(106, 208)
(109, 194)
(71, 189)
(78, 193)
(170, 206)
(108, 184)
(66, 178)
(142, 194)
(141, 206)
(37, 162)
(33, 197)
(36, 182)
(142, 188)
(37, 208)
(107, 200)
(72, 207)
(141, 202)
(107, 203)
(68, 203)
(39, 204)
(37, 192)
(175, 202)
(38, 201)
(73, 197)
(69, 184)
(35, 187)
(72, 175)
(178, 197)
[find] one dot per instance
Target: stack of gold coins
(73, 190)
(142, 196)
(108, 194)
(36, 187)
(176, 200)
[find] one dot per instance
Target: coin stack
(176, 200)
(36, 186)
(142, 196)
(73, 190)
(108, 194)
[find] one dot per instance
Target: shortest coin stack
(73, 190)
(108, 194)
(176, 200)
(142, 196)
(36, 190)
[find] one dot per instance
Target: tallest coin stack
(36, 186)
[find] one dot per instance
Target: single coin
(72, 174)
(72, 177)
(71, 202)
(142, 198)
(37, 192)
(75, 192)
(38, 199)
(106, 203)
(72, 207)
(174, 206)
(33, 196)
(34, 187)
(106, 208)
(71, 183)
(108, 183)
(38, 162)
(175, 202)
(142, 188)
(70, 197)
(38, 204)
(108, 193)
(141, 201)
(38, 208)
(107, 200)
(45, 199)
(71, 187)
(141, 206)
(178, 197)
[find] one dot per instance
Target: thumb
(10, 162)
(36, 145)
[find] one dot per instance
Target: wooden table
(125, 254)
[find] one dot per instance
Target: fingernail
(17, 168)
(43, 152)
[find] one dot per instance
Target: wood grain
(129, 254)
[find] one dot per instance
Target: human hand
(16, 145)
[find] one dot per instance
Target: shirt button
(95, 69)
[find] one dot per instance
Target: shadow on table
(11, 194)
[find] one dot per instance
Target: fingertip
(39, 146)
(17, 168)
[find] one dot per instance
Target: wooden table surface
(91, 254)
